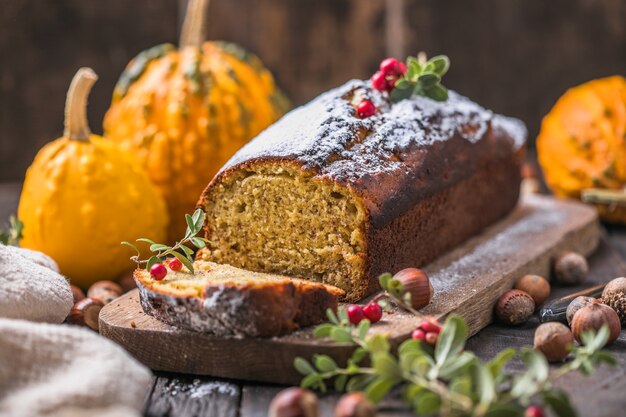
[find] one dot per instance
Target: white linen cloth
(51, 369)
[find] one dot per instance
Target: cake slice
(226, 301)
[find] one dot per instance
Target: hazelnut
(592, 317)
(570, 268)
(294, 402)
(85, 313)
(416, 283)
(576, 304)
(554, 340)
(515, 307)
(77, 293)
(355, 404)
(105, 291)
(614, 295)
(127, 282)
(536, 286)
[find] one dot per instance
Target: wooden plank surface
(467, 281)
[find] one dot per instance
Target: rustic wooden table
(600, 395)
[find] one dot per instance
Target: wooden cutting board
(467, 281)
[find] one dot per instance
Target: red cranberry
(534, 411)
(355, 314)
(158, 271)
(175, 264)
(418, 334)
(430, 327)
(373, 312)
(391, 66)
(431, 338)
(365, 109)
(379, 81)
(402, 68)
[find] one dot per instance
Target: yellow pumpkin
(83, 195)
(582, 142)
(184, 112)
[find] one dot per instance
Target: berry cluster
(427, 331)
(390, 71)
(372, 311)
(159, 271)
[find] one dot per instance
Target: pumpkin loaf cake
(226, 301)
(326, 195)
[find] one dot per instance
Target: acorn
(570, 268)
(105, 291)
(355, 404)
(515, 307)
(614, 295)
(416, 283)
(294, 402)
(536, 286)
(576, 304)
(86, 313)
(554, 340)
(592, 317)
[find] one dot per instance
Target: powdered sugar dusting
(326, 136)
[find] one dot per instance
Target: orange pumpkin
(582, 142)
(184, 112)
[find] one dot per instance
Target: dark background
(513, 56)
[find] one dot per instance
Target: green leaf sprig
(445, 380)
(395, 293)
(422, 78)
(13, 234)
(180, 250)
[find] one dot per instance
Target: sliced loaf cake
(228, 301)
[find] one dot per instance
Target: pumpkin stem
(76, 126)
(194, 25)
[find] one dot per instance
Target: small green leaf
(313, 381)
(377, 390)
(303, 366)
(596, 341)
(384, 280)
(198, 243)
(402, 84)
(343, 315)
(484, 383)
(198, 219)
(451, 339)
(341, 335)
(152, 261)
(184, 260)
(437, 93)
(340, 382)
(496, 365)
(146, 240)
(386, 366)
(190, 224)
(358, 355)
(377, 343)
(188, 251)
(456, 365)
(441, 64)
(324, 363)
(398, 95)
(428, 80)
(364, 327)
(332, 317)
(427, 404)
(559, 402)
(504, 410)
(359, 382)
(157, 247)
(132, 246)
(323, 330)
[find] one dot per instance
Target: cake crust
(249, 305)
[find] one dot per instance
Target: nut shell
(592, 317)
(614, 295)
(355, 404)
(536, 286)
(554, 340)
(515, 307)
(77, 293)
(294, 402)
(105, 291)
(576, 304)
(416, 283)
(85, 313)
(570, 268)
